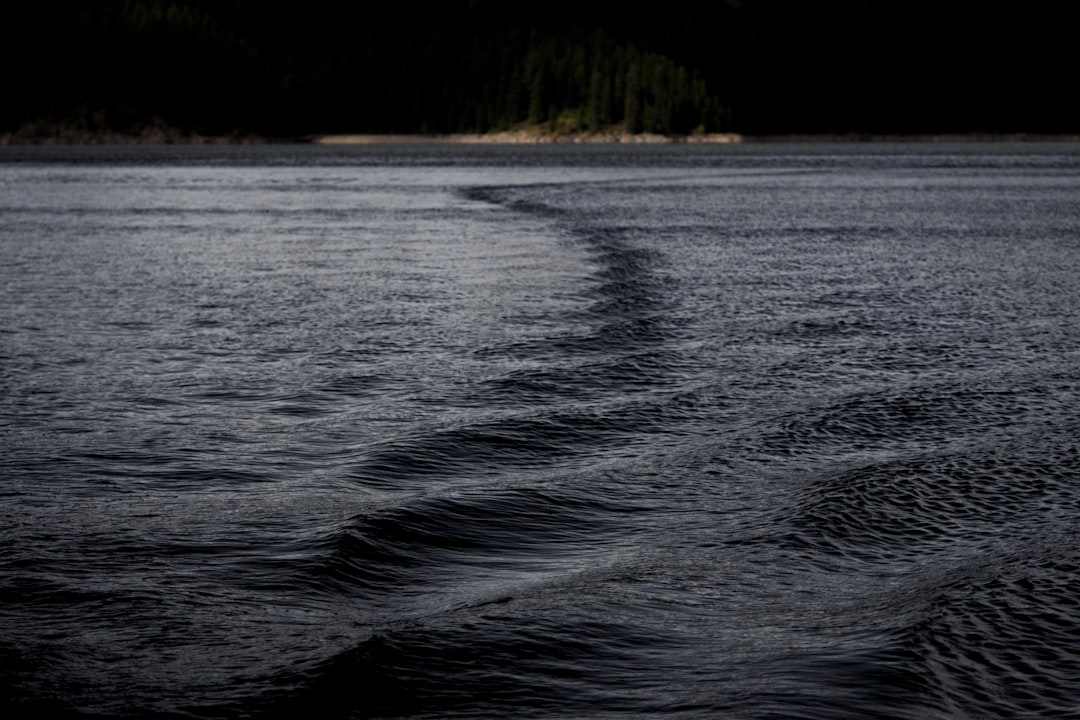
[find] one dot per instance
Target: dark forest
(750, 66)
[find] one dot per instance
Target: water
(446, 432)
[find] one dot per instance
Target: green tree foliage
(216, 66)
(603, 85)
(323, 66)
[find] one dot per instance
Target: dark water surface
(447, 432)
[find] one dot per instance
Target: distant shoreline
(713, 138)
(514, 137)
(525, 137)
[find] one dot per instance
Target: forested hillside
(752, 66)
(231, 66)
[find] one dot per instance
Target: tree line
(238, 66)
(751, 66)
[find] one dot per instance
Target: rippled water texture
(754, 432)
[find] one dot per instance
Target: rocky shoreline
(527, 137)
(533, 137)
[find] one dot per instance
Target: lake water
(760, 431)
